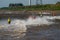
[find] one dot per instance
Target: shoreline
(19, 11)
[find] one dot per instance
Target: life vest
(9, 20)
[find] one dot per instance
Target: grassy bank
(34, 7)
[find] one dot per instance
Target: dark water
(51, 32)
(40, 32)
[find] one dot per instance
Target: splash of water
(38, 21)
(20, 25)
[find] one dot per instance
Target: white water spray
(20, 25)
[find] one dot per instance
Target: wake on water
(20, 25)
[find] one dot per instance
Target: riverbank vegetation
(34, 7)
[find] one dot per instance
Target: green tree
(16, 4)
(58, 3)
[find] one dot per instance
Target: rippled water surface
(39, 28)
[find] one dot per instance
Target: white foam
(16, 25)
(20, 25)
(37, 20)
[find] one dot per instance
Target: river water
(39, 28)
